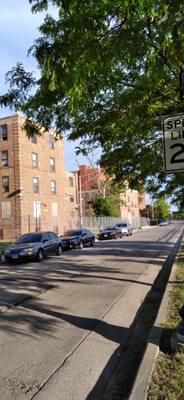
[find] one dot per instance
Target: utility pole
(152, 209)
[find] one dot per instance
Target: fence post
(29, 224)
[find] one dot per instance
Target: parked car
(125, 228)
(34, 246)
(111, 232)
(163, 223)
(77, 238)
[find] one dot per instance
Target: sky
(18, 30)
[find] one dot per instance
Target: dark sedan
(77, 239)
(111, 232)
(34, 246)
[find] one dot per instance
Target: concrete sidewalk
(143, 378)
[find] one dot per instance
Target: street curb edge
(143, 378)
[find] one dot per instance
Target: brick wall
(29, 210)
(7, 200)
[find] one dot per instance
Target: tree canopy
(158, 210)
(162, 209)
(103, 206)
(109, 71)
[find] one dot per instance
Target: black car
(77, 238)
(34, 246)
(111, 232)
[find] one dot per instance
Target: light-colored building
(129, 207)
(72, 207)
(33, 188)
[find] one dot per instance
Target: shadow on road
(29, 278)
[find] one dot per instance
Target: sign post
(173, 132)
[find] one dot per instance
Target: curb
(143, 378)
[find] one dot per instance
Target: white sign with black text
(173, 131)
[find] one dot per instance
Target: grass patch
(168, 375)
(4, 245)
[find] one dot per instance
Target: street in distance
(173, 132)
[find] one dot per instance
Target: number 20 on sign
(173, 132)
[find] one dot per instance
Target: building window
(34, 160)
(35, 185)
(53, 187)
(4, 154)
(52, 165)
(5, 184)
(34, 139)
(70, 181)
(51, 142)
(6, 209)
(71, 199)
(3, 132)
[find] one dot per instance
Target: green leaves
(109, 71)
(103, 206)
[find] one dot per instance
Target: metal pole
(36, 216)
(80, 202)
(29, 223)
(152, 209)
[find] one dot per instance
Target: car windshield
(29, 238)
(122, 225)
(73, 233)
(109, 228)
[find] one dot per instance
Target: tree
(162, 209)
(109, 71)
(178, 214)
(159, 209)
(103, 206)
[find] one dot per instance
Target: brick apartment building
(92, 182)
(34, 184)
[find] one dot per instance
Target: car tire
(81, 245)
(59, 250)
(40, 255)
(92, 242)
(121, 236)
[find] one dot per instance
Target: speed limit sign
(173, 132)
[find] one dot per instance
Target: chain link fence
(63, 223)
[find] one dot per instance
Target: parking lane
(19, 281)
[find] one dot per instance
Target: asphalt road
(64, 322)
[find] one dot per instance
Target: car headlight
(6, 252)
(27, 251)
